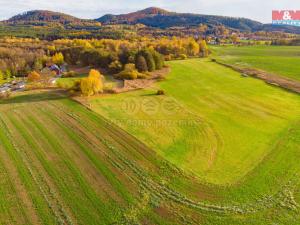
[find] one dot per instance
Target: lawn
(212, 121)
(281, 60)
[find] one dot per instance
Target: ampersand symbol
(286, 15)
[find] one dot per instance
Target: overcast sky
(254, 9)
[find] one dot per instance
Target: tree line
(18, 57)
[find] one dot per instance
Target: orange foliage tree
(33, 76)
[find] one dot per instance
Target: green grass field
(281, 60)
(220, 125)
(62, 164)
(233, 144)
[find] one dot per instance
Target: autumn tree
(141, 64)
(192, 47)
(203, 48)
(234, 38)
(115, 67)
(149, 59)
(93, 84)
(58, 58)
(159, 60)
(33, 76)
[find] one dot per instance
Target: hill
(160, 18)
(47, 24)
(43, 16)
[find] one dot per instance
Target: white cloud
(255, 9)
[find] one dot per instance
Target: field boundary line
(270, 78)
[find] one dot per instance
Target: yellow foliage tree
(33, 76)
(203, 48)
(58, 58)
(193, 47)
(92, 84)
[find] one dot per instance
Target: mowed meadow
(217, 148)
(280, 60)
(63, 164)
(212, 121)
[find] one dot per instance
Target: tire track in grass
(143, 179)
(16, 186)
(46, 191)
(95, 142)
(24, 171)
(85, 161)
(79, 196)
(9, 200)
(5, 201)
(163, 192)
(38, 199)
(136, 151)
(82, 141)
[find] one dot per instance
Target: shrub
(168, 57)
(160, 92)
(33, 76)
(182, 56)
(129, 73)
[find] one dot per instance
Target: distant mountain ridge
(160, 18)
(153, 17)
